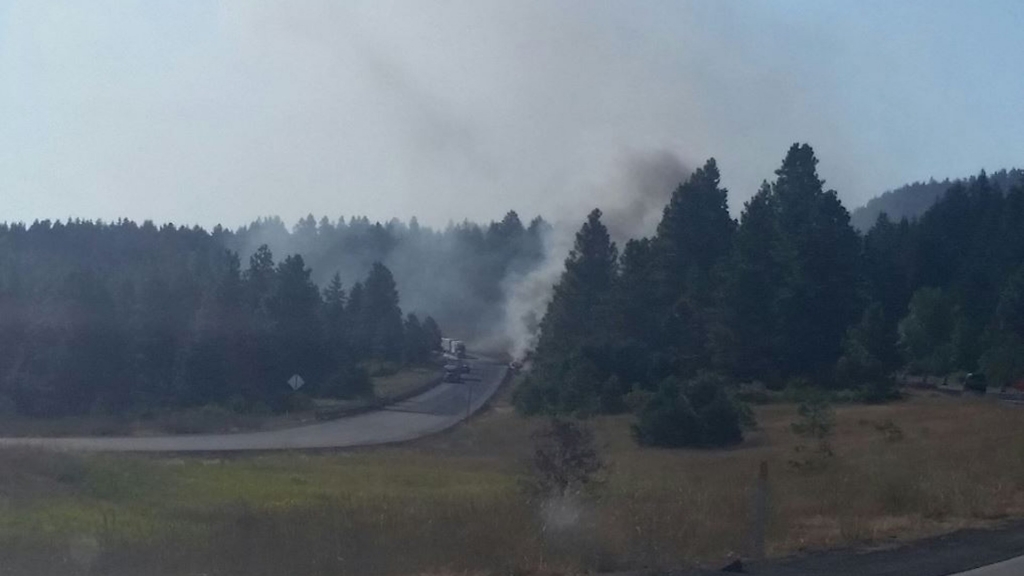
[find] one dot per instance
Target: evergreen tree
(820, 255)
(431, 334)
(751, 292)
(579, 307)
(335, 322)
(579, 315)
(382, 313)
(416, 346)
(695, 232)
(295, 309)
(694, 236)
(359, 331)
(260, 278)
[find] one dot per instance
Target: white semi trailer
(459, 348)
(451, 347)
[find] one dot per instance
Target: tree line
(117, 317)
(913, 200)
(790, 294)
(457, 274)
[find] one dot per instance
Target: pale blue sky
(220, 111)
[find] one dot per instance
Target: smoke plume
(632, 199)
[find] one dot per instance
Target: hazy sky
(206, 111)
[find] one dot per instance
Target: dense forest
(913, 200)
(790, 295)
(459, 275)
(112, 317)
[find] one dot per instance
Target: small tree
(816, 422)
(667, 419)
(926, 333)
(869, 356)
(565, 459)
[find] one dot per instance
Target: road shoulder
(938, 556)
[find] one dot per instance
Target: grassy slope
(452, 503)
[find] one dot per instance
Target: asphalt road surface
(1014, 567)
(437, 409)
(972, 552)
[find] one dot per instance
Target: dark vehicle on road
(975, 382)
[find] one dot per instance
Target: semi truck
(454, 347)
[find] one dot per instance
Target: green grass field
(454, 503)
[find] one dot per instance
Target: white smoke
(527, 295)
(631, 198)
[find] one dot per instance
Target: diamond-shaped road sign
(296, 382)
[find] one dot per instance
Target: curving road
(437, 409)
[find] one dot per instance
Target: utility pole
(469, 399)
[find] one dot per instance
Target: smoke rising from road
(488, 284)
(632, 200)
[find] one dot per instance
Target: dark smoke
(451, 276)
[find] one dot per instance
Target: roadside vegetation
(396, 382)
(470, 501)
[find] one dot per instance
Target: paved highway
(1014, 567)
(437, 409)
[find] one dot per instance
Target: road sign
(296, 382)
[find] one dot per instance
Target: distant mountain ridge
(912, 200)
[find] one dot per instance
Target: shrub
(637, 399)
(700, 413)
(612, 400)
(299, 402)
(721, 421)
(890, 431)
(817, 419)
(880, 390)
(816, 422)
(207, 418)
(668, 419)
(755, 393)
(352, 382)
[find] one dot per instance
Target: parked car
(975, 382)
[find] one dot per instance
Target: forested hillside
(112, 317)
(790, 295)
(912, 200)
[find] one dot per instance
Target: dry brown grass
(954, 462)
(451, 504)
(399, 383)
